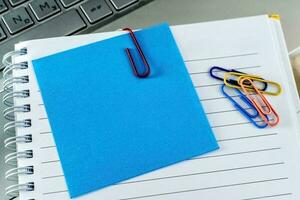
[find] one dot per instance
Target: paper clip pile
(250, 90)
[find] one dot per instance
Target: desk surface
(191, 11)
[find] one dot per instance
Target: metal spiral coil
(11, 158)
(11, 142)
(8, 69)
(9, 113)
(10, 96)
(9, 127)
(13, 190)
(12, 174)
(9, 82)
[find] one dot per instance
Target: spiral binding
(9, 113)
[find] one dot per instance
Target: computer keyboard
(32, 19)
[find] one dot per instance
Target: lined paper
(251, 163)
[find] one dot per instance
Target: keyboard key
(96, 10)
(2, 34)
(16, 2)
(68, 3)
(69, 22)
(121, 4)
(3, 6)
(17, 20)
(44, 8)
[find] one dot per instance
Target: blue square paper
(109, 125)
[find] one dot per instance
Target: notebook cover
(110, 126)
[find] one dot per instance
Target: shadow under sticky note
(110, 125)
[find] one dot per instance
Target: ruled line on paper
(232, 124)
(205, 157)
(237, 153)
(225, 111)
(48, 147)
(50, 161)
(235, 68)
(247, 137)
(208, 188)
(222, 57)
(216, 98)
(208, 85)
(55, 192)
(208, 172)
(187, 175)
(45, 132)
(221, 140)
(253, 198)
(269, 196)
(53, 176)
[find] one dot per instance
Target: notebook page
(252, 163)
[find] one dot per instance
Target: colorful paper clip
(216, 69)
(249, 115)
(271, 84)
(230, 81)
(257, 79)
(143, 58)
(258, 100)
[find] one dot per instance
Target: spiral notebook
(251, 163)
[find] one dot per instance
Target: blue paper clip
(248, 115)
(230, 81)
(216, 68)
(212, 69)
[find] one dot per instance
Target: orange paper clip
(264, 108)
(275, 87)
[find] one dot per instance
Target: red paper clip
(133, 66)
(260, 102)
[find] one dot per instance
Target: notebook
(251, 163)
(133, 125)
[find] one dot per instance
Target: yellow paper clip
(256, 79)
(270, 83)
(274, 16)
(236, 75)
(260, 102)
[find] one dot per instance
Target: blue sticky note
(109, 125)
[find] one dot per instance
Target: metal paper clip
(216, 68)
(227, 81)
(132, 63)
(250, 116)
(259, 102)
